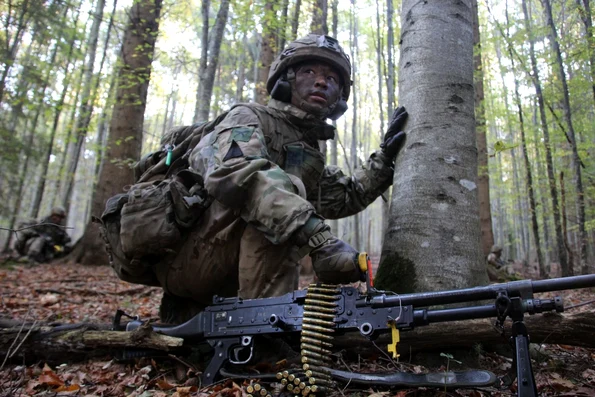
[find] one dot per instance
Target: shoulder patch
(241, 134)
(233, 152)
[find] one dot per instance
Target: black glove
(394, 137)
(333, 260)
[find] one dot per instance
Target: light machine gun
(232, 327)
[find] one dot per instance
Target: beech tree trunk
(126, 123)
(560, 249)
(433, 239)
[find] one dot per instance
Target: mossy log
(75, 342)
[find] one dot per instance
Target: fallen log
(75, 342)
(81, 341)
(575, 329)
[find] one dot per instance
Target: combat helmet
(311, 47)
(60, 211)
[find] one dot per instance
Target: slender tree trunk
(334, 223)
(483, 180)
(267, 53)
(578, 181)
(295, 21)
(86, 106)
(57, 112)
(319, 17)
(517, 216)
(528, 172)
(560, 250)
(282, 35)
(241, 72)
(433, 240)
(204, 53)
(529, 177)
(208, 78)
(354, 120)
(127, 119)
(564, 227)
(10, 52)
(586, 17)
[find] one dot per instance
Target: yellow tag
(362, 260)
(396, 337)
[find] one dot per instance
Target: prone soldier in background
(271, 190)
(43, 241)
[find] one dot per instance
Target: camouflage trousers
(38, 249)
(239, 262)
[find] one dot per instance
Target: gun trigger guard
(396, 338)
(237, 355)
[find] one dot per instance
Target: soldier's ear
(282, 90)
(338, 110)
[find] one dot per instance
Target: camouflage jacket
(263, 164)
(47, 228)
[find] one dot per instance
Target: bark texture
(126, 127)
(433, 239)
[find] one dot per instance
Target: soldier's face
(57, 219)
(317, 86)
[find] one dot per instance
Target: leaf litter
(66, 294)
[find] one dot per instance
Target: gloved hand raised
(333, 260)
(394, 137)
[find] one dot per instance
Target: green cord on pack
(169, 154)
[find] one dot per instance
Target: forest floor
(61, 293)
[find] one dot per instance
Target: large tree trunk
(433, 239)
(483, 179)
(578, 181)
(127, 120)
(560, 250)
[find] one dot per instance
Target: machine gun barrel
(523, 289)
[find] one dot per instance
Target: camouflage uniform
(263, 166)
(44, 241)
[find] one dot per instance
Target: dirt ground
(60, 293)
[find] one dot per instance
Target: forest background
(61, 63)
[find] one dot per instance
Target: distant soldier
(494, 257)
(41, 242)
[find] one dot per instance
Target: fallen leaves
(74, 294)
